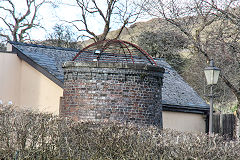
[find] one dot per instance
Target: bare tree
(18, 22)
(212, 28)
(112, 13)
(62, 36)
(228, 9)
(165, 44)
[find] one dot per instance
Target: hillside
(131, 33)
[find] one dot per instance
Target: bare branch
(121, 29)
(230, 85)
(10, 26)
(19, 22)
(233, 17)
(6, 36)
(113, 10)
(100, 11)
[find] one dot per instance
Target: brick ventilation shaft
(112, 91)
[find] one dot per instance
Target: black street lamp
(211, 74)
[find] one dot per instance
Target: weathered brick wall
(112, 91)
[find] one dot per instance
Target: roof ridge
(42, 46)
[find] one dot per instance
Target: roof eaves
(43, 46)
(37, 67)
(186, 109)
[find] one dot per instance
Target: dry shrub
(28, 135)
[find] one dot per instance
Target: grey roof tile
(175, 90)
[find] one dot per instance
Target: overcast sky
(49, 16)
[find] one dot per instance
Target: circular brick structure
(112, 91)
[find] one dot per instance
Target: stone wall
(112, 91)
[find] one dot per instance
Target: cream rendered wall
(26, 87)
(10, 66)
(187, 122)
(38, 91)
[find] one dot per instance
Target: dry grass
(28, 135)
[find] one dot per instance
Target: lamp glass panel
(209, 76)
(215, 76)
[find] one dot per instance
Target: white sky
(52, 16)
(48, 17)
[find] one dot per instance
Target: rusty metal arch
(127, 50)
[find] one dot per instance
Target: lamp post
(211, 74)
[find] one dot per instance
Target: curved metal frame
(121, 42)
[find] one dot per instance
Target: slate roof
(176, 92)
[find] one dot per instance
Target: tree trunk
(237, 122)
